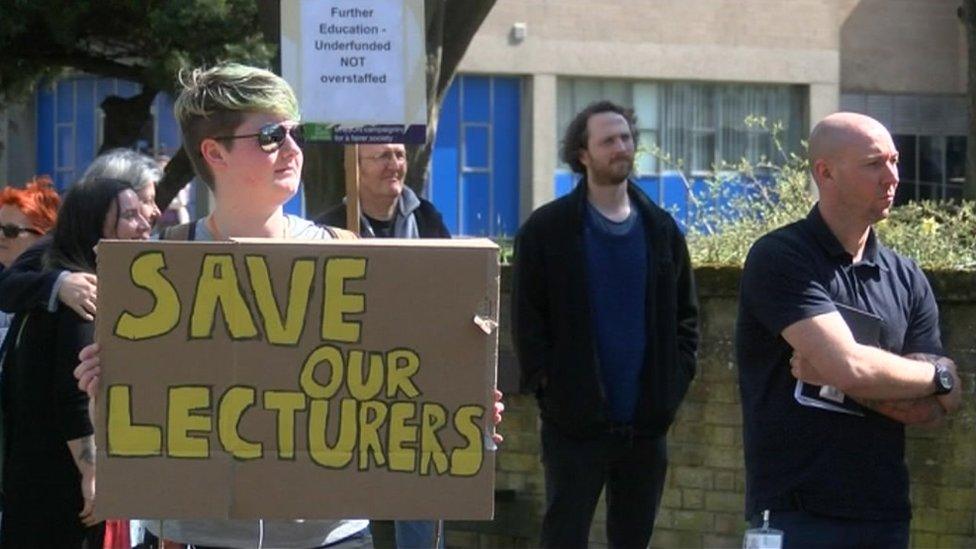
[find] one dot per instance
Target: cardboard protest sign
(262, 379)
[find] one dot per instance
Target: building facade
(693, 70)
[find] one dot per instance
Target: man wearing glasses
(390, 209)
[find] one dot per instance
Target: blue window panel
(446, 161)
(474, 202)
(479, 130)
(85, 124)
(564, 182)
(476, 91)
(45, 130)
(66, 101)
(506, 173)
(476, 147)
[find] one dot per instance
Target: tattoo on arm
(915, 411)
(87, 452)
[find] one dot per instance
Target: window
(930, 167)
(929, 132)
(700, 124)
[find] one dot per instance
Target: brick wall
(703, 498)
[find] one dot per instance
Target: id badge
(764, 537)
(761, 538)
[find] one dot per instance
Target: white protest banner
(357, 68)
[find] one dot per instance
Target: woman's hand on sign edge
(89, 369)
(497, 418)
(87, 514)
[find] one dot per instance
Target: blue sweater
(616, 277)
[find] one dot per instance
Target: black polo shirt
(799, 456)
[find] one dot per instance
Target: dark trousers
(803, 529)
(631, 468)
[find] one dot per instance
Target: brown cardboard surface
(202, 395)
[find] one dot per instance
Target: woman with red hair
(26, 215)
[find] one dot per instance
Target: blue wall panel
(85, 124)
(45, 130)
(476, 91)
(65, 101)
(506, 114)
(64, 144)
(446, 162)
(475, 163)
(475, 194)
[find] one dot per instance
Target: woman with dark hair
(49, 450)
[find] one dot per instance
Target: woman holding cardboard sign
(49, 454)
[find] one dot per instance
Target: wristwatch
(942, 380)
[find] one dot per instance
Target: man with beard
(824, 302)
(605, 325)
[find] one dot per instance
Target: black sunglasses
(271, 137)
(10, 230)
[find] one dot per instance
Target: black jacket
(430, 224)
(24, 285)
(551, 327)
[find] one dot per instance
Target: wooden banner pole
(351, 162)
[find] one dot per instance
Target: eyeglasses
(271, 137)
(9, 230)
(389, 156)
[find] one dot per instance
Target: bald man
(838, 347)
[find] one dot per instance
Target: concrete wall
(746, 41)
(903, 46)
(703, 499)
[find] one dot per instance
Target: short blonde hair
(214, 102)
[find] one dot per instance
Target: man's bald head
(839, 132)
(854, 161)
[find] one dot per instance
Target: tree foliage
(144, 41)
(744, 201)
(149, 41)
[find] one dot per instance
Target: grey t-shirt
(248, 533)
